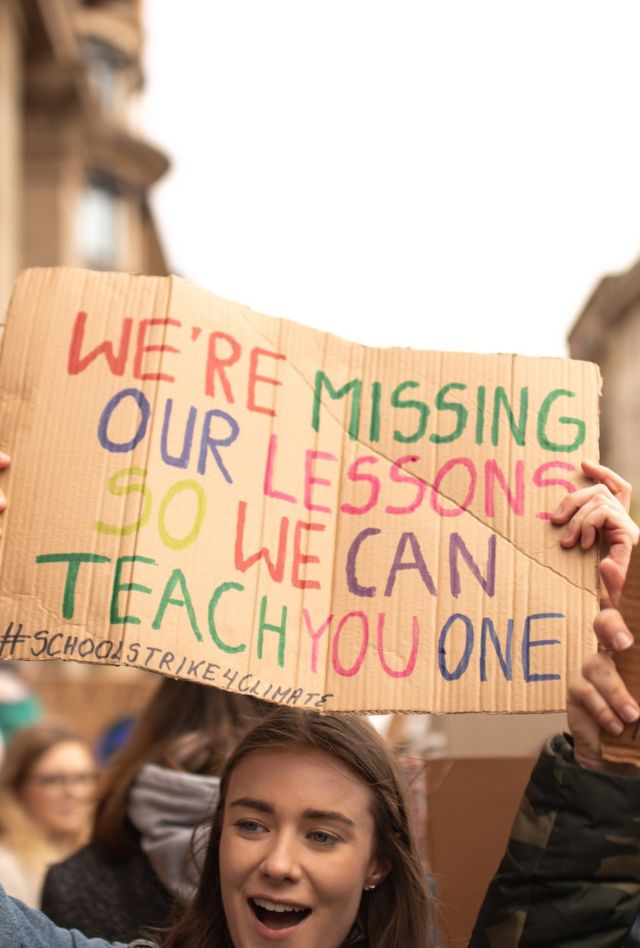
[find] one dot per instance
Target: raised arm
(571, 873)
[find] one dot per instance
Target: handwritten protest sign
(218, 495)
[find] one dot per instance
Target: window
(100, 220)
(106, 73)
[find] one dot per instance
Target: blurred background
(448, 176)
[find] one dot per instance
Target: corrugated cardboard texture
(214, 494)
(625, 748)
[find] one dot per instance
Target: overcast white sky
(444, 175)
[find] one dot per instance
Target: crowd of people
(226, 823)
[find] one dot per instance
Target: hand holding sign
(601, 511)
(602, 695)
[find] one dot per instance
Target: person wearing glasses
(47, 794)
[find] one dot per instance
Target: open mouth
(278, 915)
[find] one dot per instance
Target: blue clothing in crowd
(22, 926)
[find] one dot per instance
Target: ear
(378, 871)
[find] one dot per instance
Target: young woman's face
(59, 792)
(296, 850)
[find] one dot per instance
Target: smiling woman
(311, 845)
(297, 846)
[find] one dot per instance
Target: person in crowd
(570, 875)
(310, 847)
(47, 794)
(311, 843)
(162, 785)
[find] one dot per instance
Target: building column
(11, 135)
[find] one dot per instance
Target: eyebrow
(264, 807)
(252, 804)
(328, 815)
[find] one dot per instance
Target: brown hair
(18, 829)
(394, 915)
(26, 746)
(186, 726)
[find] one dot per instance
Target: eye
(323, 838)
(250, 827)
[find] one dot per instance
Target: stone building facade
(75, 178)
(75, 173)
(607, 331)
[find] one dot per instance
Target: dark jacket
(571, 873)
(131, 901)
(122, 897)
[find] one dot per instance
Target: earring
(369, 888)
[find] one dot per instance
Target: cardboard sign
(217, 495)
(625, 747)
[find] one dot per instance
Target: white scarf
(171, 811)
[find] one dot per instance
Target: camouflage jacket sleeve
(571, 873)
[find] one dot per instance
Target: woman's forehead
(64, 752)
(308, 777)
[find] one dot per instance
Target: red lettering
(276, 569)
(269, 489)
(316, 635)
(541, 481)
(77, 363)
(411, 661)
(300, 559)
(440, 476)
(216, 364)
(493, 473)
(254, 378)
(354, 474)
(310, 479)
(338, 667)
(396, 474)
(142, 349)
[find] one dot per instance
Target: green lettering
(279, 629)
(543, 417)
(517, 430)
(74, 560)
(118, 587)
(482, 396)
(213, 632)
(355, 386)
(374, 423)
(421, 408)
(177, 579)
(459, 409)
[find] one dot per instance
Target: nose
(79, 786)
(281, 861)
(74, 789)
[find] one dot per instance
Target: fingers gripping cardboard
(625, 747)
